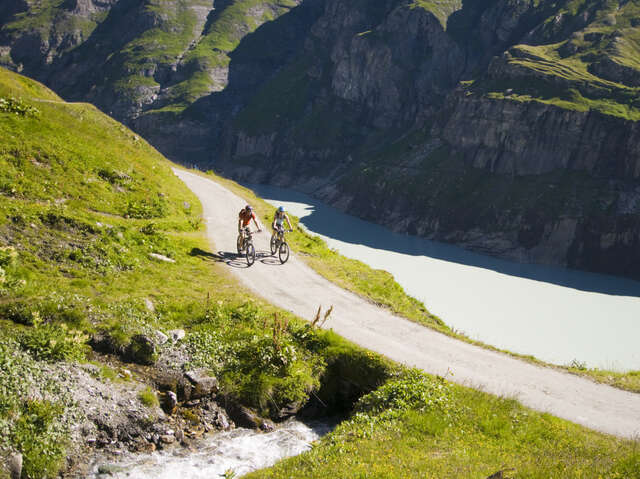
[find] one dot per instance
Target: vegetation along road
(295, 287)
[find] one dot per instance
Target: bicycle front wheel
(251, 254)
(283, 252)
(274, 244)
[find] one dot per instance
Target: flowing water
(234, 453)
(555, 314)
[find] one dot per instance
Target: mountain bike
(279, 245)
(245, 243)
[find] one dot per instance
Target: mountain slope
(112, 306)
(507, 127)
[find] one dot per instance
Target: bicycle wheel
(239, 244)
(274, 244)
(283, 252)
(251, 254)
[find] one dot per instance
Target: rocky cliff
(507, 126)
(489, 125)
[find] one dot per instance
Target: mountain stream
(226, 454)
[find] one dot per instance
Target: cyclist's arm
(288, 222)
(256, 223)
(239, 224)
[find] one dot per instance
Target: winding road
(297, 288)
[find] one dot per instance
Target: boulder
(161, 257)
(169, 402)
(15, 465)
(103, 342)
(243, 416)
(203, 385)
(177, 334)
(160, 337)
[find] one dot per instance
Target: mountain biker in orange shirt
(244, 218)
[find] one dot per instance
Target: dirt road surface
(297, 288)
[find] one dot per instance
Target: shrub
(39, 436)
(114, 177)
(146, 209)
(51, 342)
(413, 390)
(18, 312)
(17, 106)
(8, 256)
(29, 422)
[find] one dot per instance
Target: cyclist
(244, 218)
(279, 217)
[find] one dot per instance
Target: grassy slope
(84, 202)
(562, 73)
(442, 9)
(460, 433)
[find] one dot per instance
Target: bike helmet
(248, 208)
(281, 209)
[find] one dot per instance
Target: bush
(38, 428)
(50, 342)
(413, 390)
(18, 312)
(55, 308)
(17, 106)
(146, 209)
(38, 436)
(114, 177)
(8, 256)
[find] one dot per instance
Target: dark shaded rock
(243, 416)
(289, 410)
(103, 342)
(267, 425)
(173, 380)
(169, 402)
(141, 350)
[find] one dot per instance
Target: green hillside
(85, 203)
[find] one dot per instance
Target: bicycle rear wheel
(251, 254)
(283, 252)
(239, 244)
(274, 244)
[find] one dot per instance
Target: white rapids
(239, 451)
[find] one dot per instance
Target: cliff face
(507, 126)
(488, 126)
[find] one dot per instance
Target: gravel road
(297, 288)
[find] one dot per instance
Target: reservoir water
(555, 314)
